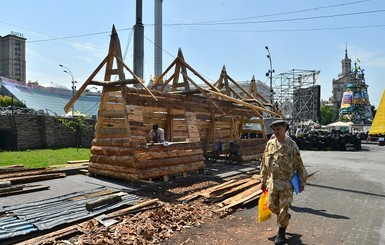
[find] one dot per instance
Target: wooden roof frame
(114, 55)
(181, 67)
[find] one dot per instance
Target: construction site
(133, 190)
(215, 136)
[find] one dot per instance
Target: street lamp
(270, 74)
(68, 71)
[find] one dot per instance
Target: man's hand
(263, 186)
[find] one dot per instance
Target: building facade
(350, 94)
(12, 56)
(339, 84)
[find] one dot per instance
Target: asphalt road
(343, 203)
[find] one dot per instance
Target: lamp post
(68, 71)
(270, 74)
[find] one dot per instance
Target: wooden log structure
(194, 119)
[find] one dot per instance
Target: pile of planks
(230, 194)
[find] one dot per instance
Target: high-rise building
(12, 56)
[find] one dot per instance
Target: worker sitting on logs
(156, 134)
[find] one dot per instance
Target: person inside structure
(280, 160)
(156, 134)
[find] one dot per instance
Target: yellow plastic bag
(264, 213)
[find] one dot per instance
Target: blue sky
(301, 34)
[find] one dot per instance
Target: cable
(128, 44)
(294, 30)
(278, 20)
(285, 13)
(159, 47)
(68, 37)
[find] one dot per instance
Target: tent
(340, 125)
(378, 125)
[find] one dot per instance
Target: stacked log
(252, 149)
(193, 125)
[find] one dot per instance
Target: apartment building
(12, 56)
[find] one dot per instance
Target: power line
(277, 20)
(159, 47)
(75, 36)
(296, 30)
(284, 13)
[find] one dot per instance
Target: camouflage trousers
(279, 203)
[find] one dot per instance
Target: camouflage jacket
(280, 162)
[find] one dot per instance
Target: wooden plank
(10, 188)
(220, 189)
(70, 231)
(169, 161)
(25, 189)
(33, 178)
(123, 142)
(150, 155)
(103, 201)
(78, 161)
(169, 170)
(133, 208)
(235, 190)
(114, 114)
(4, 184)
(240, 198)
(206, 191)
(111, 150)
(25, 172)
(114, 174)
(11, 168)
(121, 163)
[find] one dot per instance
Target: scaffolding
(297, 94)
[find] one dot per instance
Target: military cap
(278, 122)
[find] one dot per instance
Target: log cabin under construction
(200, 122)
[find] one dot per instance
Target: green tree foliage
(77, 125)
(7, 101)
(328, 114)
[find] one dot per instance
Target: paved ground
(344, 203)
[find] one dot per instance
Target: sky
(300, 34)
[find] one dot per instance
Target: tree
(7, 101)
(328, 114)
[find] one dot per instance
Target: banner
(357, 98)
(366, 98)
(368, 112)
(346, 99)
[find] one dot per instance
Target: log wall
(192, 124)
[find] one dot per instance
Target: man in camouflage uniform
(279, 162)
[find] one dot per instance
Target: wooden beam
(76, 96)
(136, 77)
(240, 102)
(113, 83)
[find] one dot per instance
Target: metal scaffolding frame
(296, 94)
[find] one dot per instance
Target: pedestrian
(156, 134)
(281, 159)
